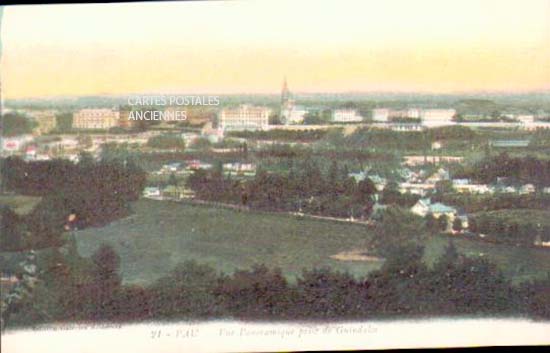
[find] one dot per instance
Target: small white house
(171, 167)
(441, 174)
(438, 209)
(152, 192)
(421, 207)
(346, 116)
(527, 189)
(244, 168)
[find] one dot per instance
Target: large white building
(100, 119)
(244, 117)
(293, 114)
(385, 114)
(429, 117)
(526, 119)
(381, 115)
(45, 120)
(345, 116)
(437, 117)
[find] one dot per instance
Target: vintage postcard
(243, 176)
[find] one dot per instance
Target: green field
(518, 263)
(161, 234)
(520, 216)
(21, 204)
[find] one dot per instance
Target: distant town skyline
(422, 46)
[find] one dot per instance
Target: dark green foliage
(446, 133)
(11, 230)
(534, 297)
(403, 287)
(281, 135)
(399, 287)
(472, 225)
(14, 124)
(442, 222)
(469, 286)
(96, 193)
(477, 106)
(517, 170)
(313, 118)
(64, 122)
(323, 294)
(473, 203)
(305, 188)
(517, 227)
(105, 283)
(443, 187)
(188, 291)
(431, 223)
(392, 196)
(396, 229)
(457, 225)
(258, 293)
(167, 142)
(458, 137)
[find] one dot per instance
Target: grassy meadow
(20, 204)
(161, 234)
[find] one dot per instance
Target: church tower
(287, 104)
(285, 94)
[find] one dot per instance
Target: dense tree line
(503, 218)
(13, 124)
(12, 230)
(337, 152)
(474, 106)
(403, 287)
(281, 135)
(541, 138)
(392, 196)
(473, 203)
(284, 151)
(304, 189)
(515, 169)
(79, 195)
(317, 117)
(168, 141)
(64, 122)
(452, 136)
(510, 228)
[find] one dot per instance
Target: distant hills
(483, 101)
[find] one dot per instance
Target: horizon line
(276, 93)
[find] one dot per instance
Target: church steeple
(285, 93)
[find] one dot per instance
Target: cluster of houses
(168, 192)
(423, 185)
(179, 192)
(179, 168)
(67, 146)
(424, 207)
(416, 184)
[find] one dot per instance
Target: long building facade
(346, 116)
(100, 119)
(429, 117)
(45, 120)
(244, 117)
